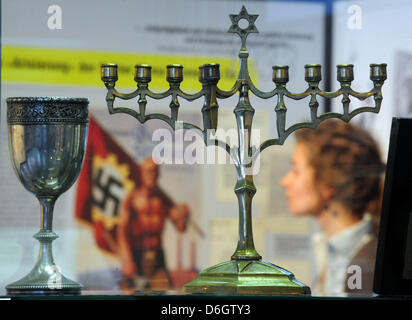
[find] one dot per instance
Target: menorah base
(253, 277)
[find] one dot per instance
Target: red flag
(107, 176)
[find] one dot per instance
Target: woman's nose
(285, 180)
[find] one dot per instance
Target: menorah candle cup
(142, 73)
(174, 73)
(313, 73)
(109, 73)
(345, 73)
(378, 72)
(209, 73)
(280, 74)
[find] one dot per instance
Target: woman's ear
(326, 192)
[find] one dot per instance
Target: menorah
(246, 272)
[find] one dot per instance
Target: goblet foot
(38, 282)
(45, 277)
(246, 277)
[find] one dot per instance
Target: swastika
(106, 186)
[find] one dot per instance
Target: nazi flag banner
(108, 175)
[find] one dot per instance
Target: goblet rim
(53, 99)
(46, 110)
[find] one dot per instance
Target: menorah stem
(245, 188)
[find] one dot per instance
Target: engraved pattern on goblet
(47, 140)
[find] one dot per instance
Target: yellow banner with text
(73, 67)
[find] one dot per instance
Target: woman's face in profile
(302, 194)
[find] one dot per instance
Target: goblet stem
(46, 207)
(46, 236)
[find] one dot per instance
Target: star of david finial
(243, 32)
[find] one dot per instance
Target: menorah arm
(157, 95)
(172, 123)
(280, 78)
(190, 97)
(313, 125)
(359, 95)
(309, 91)
(362, 96)
(173, 91)
(202, 133)
(281, 89)
(125, 96)
(209, 78)
(312, 91)
(228, 93)
(259, 93)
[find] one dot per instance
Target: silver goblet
(47, 140)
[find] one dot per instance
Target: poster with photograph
(123, 195)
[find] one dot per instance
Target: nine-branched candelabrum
(245, 272)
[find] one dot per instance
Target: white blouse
(333, 254)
